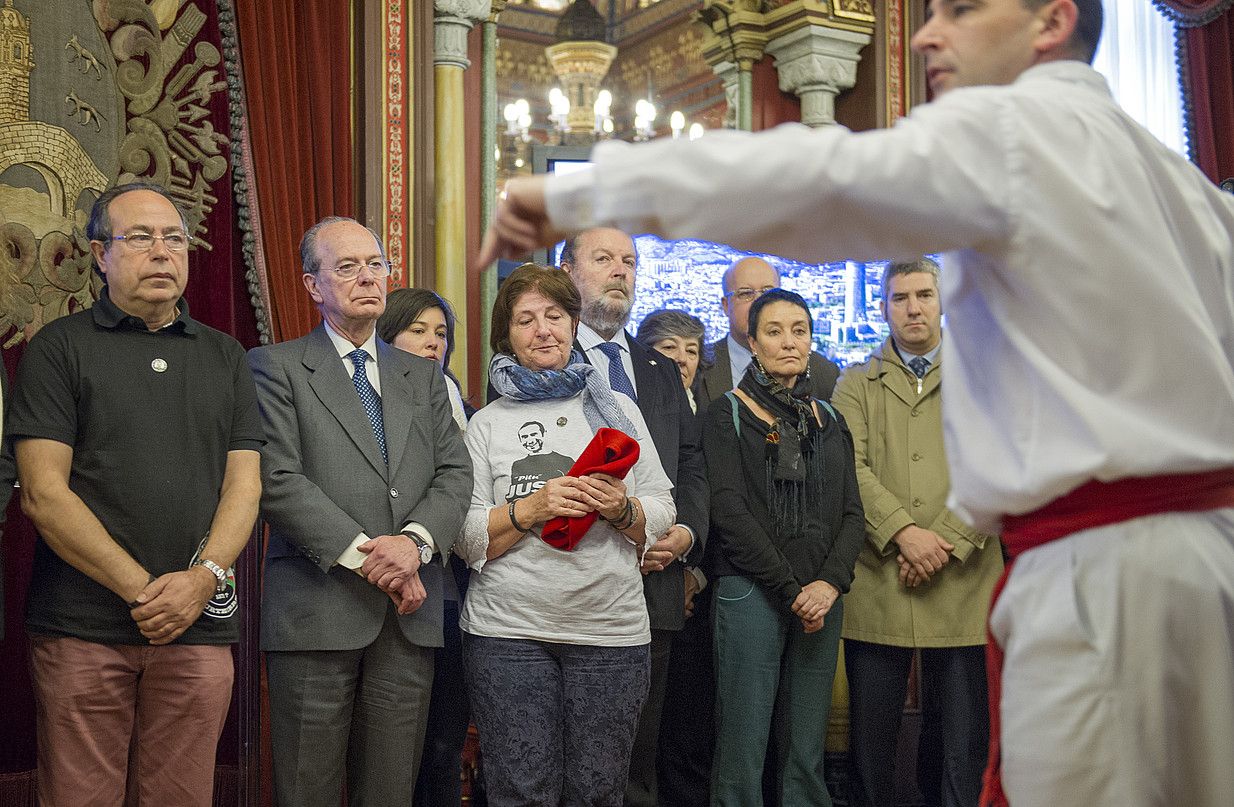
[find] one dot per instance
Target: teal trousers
(773, 681)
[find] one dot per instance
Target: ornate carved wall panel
(94, 93)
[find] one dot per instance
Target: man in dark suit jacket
(744, 281)
(602, 264)
(366, 484)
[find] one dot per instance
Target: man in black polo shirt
(137, 433)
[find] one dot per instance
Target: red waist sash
(1093, 504)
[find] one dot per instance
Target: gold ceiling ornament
(862, 10)
(90, 96)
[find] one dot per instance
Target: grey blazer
(324, 483)
(718, 378)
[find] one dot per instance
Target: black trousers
(951, 752)
(642, 785)
(440, 781)
(687, 724)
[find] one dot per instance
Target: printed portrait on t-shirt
(531, 472)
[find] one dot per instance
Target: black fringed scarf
(794, 449)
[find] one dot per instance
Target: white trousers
(1118, 678)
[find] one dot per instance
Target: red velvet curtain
(1193, 12)
(296, 61)
(1210, 92)
(1206, 28)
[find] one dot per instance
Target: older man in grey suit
(366, 485)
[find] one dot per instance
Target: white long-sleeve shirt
(1089, 284)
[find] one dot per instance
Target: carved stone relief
(89, 97)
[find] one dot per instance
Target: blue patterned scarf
(600, 406)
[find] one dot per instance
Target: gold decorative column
(816, 49)
(452, 19)
(735, 40)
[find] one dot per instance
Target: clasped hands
(392, 563)
(169, 604)
(923, 553)
(813, 604)
(671, 546)
(576, 496)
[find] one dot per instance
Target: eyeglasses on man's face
(350, 270)
(748, 295)
(177, 241)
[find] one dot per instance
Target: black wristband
(513, 520)
(627, 518)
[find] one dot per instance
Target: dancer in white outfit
(1089, 407)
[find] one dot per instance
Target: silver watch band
(218, 571)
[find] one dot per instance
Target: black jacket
(745, 543)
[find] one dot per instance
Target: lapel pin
(159, 366)
(562, 421)
(652, 362)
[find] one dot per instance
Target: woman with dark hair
(679, 336)
(786, 515)
(556, 633)
(420, 322)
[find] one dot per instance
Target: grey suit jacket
(324, 482)
(718, 378)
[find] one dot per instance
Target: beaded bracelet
(628, 518)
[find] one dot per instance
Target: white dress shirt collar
(344, 347)
(930, 355)
(588, 338)
(739, 358)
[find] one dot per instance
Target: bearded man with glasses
(366, 483)
(137, 435)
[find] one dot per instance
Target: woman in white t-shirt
(555, 641)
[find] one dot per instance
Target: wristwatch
(426, 551)
(218, 571)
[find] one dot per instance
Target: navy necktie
(368, 397)
(919, 365)
(617, 378)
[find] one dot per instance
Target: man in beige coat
(924, 578)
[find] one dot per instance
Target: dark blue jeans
(771, 676)
(556, 721)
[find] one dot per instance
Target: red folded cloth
(610, 452)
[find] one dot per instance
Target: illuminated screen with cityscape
(687, 275)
